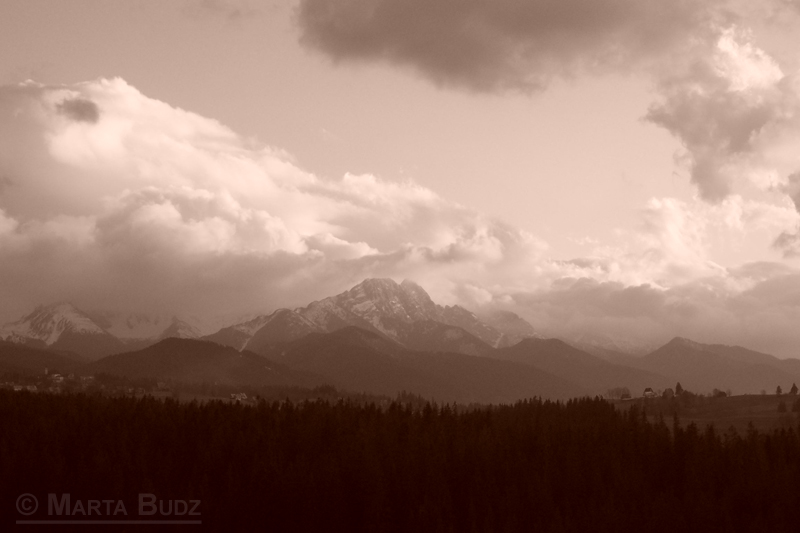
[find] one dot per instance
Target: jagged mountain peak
(48, 322)
(418, 295)
(684, 342)
(378, 283)
(179, 329)
(379, 299)
(373, 288)
(380, 305)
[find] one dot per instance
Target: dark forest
(346, 466)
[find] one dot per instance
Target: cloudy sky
(626, 167)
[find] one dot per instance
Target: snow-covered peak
(378, 299)
(420, 299)
(249, 327)
(180, 329)
(47, 323)
(375, 304)
(689, 343)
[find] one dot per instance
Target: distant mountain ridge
(46, 324)
(703, 367)
(380, 334)
(195, 361)
(584, 369)
(401, 312)
(62, 327)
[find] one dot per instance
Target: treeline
(339, 466)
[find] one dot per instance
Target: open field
(737, 412)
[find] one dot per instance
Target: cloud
(661, 282)
(231, 10)
(150, 208)
(503, 44)
(733, 106)
(123, 200)
(673, 242)
(712, 310)
(789, 241)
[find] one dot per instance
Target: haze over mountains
(63, 327)
(380, 337)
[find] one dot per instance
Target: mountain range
(63, 328)
(401, 312)
(380, 337)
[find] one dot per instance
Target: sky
(626, 168)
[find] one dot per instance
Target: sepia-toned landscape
(400, 265)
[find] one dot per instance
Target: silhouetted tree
(678, 389)
(793, 390)
(617, 393)
(778, 391)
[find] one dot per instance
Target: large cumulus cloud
(734, 110)
(111, 198)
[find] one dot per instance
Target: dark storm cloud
(80, 110)
(499, 44)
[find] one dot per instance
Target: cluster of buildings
(56, 383)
